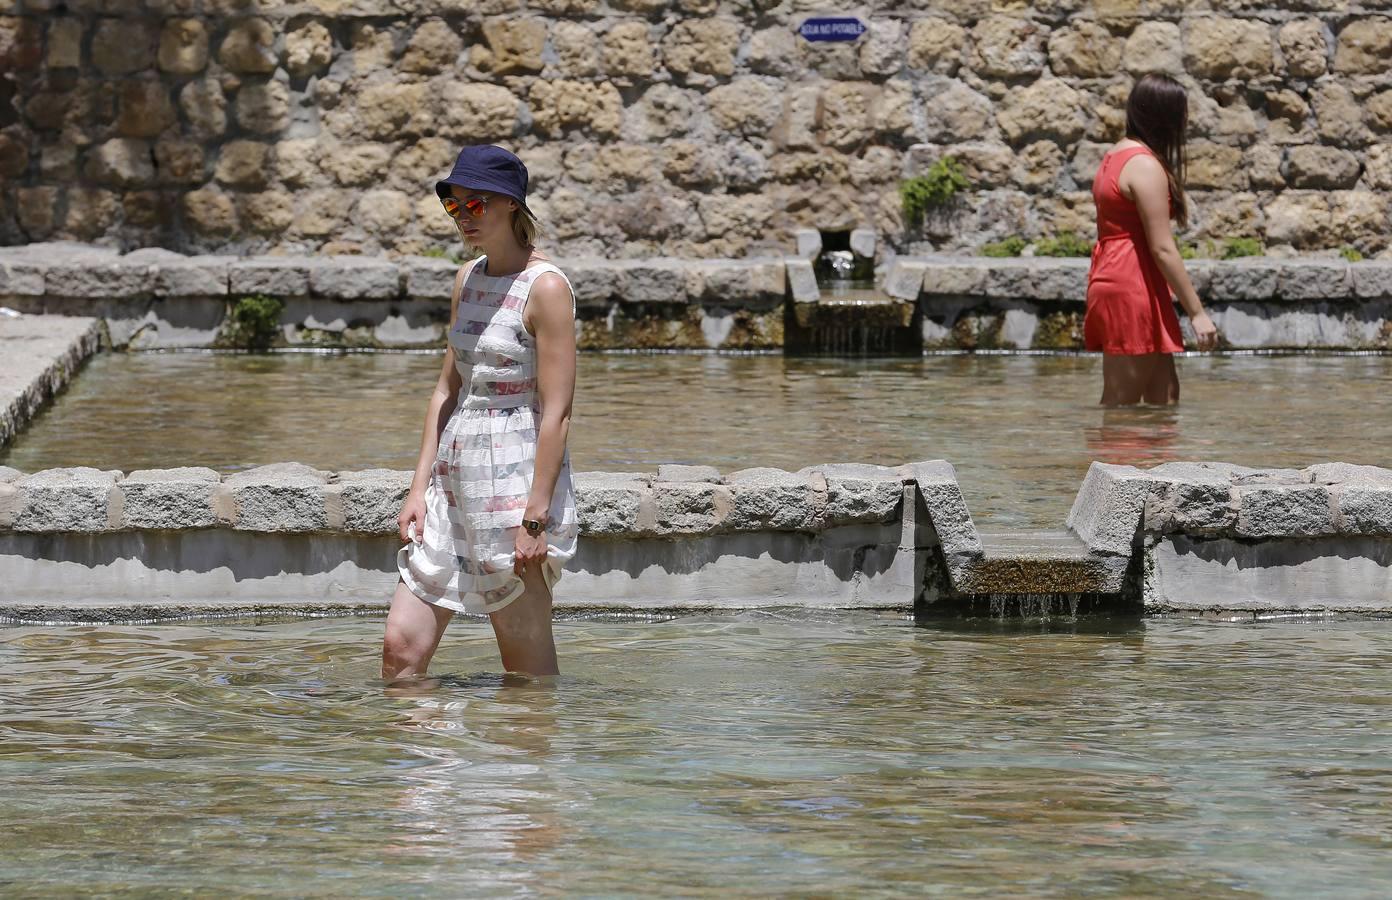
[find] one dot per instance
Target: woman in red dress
(1135, 264)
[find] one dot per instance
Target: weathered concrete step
(1039, 562)
(40, 356)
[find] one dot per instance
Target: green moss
(253, 323)
(932, 190)
(1011, 246)
(1352, 254)
(1065, 244)
(1188, 250)
(1238, 247)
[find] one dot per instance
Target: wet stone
(372, 499)
(279, 497)
(169, 498)
(75, 499)
(610, 503)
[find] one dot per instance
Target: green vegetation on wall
(1065, 244)
(932, 190)
(1238, 247)
(1352, 254)
(1011, 246)
(253, 323)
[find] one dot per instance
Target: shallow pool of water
(760, 753)
(1021, 430)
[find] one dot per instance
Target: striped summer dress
(482, 477)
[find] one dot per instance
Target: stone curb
(291, 497)
(1050, 279)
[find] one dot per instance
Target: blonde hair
(525, 228)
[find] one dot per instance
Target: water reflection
(1020, 430)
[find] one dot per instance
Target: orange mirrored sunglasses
(474, 206)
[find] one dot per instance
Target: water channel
(838, 754)
(1021, 430)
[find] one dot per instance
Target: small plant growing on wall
(252, 323)
(1065, 244)
(1011, 246)
(1352, 254)
(932, 190)
(1238, 247)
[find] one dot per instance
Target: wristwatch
(533, 527)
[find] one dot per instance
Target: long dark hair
(1157, 115)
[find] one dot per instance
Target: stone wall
(690, 128)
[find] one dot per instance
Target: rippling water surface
(1020, 430)
(831, 755)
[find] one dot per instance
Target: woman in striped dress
(490, 517)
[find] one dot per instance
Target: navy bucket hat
(484, 167)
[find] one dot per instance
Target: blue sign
(846, 28)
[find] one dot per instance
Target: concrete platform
(39, 355)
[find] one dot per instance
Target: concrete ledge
(41, 355)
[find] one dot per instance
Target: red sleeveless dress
(1129, 307)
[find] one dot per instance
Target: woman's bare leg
(1163, 389)
(1148, 378)
(414, 628)
(523, 629)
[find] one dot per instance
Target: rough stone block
(193, 276)
(1109, 507)
(947, 510)
(1372, 279)
(1340, 472)
(672, 472)
(858, 493)
(65, 500)
(954, 277)
(275, 276)
(1201, 276)
(372, 499)
(1314, 279)
(809, 243)
(279, 497)
(8, 474)
(1189, 498)
(1244, 280)
(354, 278)
(1363, 507)
(613, 503)
(102, 276)
(169, 498)
(653, 281)
(863, 242)
(1010, 279)
(1284, 510)
(802, 281)
(905, 278)
(429, 278)
(1058, 279)
(689, 507)
(596, 281)
(773, 500)
(20, 277)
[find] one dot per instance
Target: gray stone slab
(1190, 498)
(905, 278)
(956, 276)
(937, 485)
(8, 474)
(689, 507)
(99, 276)
(596, 282)
(39, 355)
(1283, 510)
(802, 281)
(279, 497)
(1363, 507)
(863, 241)
(169, 498)
(772, 499)
(76, 499)
(1315, 279)
(354, 278)
(372, 499)
(428, 277)
(274, 276)
(613, 503)
(860, 494)
(673, 472)
(1058, 280)
(21, 277)
(1350, 574)
(193, 276)
(652, 281)
(1372, 279)
(1245, 279)
(809, 243)
(1109, 508)
(1340, 472)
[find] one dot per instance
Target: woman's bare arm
(551, 319)
(1143, 181)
